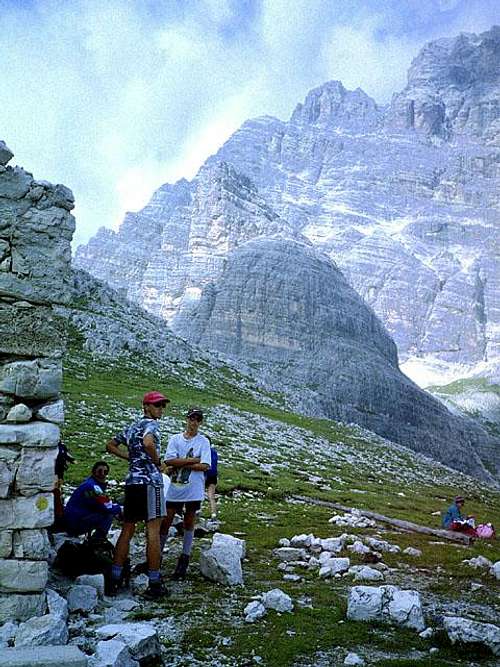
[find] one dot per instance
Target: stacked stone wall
(35, 255)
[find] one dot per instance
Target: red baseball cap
(154, 397)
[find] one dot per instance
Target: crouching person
(188, 456)
(89, 509)
(144, 497)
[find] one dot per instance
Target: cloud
(113, 99)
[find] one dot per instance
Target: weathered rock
(382, 545)
(358, 548)
(82, 598)
(495, 569)
(44, 656)
(479, 563)
(21, 607)
(465, 631)
(57, 605)
(386, 604)
(299, 541)
(45, 630)
(5, 153)
(35, 469)
(230, 542)
(289, 554)
(51, 412)
(222, 563)
(32, 544)
(333, 544)
(278, 600)
(37, 379)
(19, 414)
(368, 574)
(23, 576)
(5, 543)
(141, 638)
(7, 633)
(410, 551)
(254, 611)
(353, 659)
(94, 580)
(112, 653)
(28, 330)
(140, 584)
(35, 434)
(22, 513)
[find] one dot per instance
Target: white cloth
(187, 484)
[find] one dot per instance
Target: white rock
(33, 544)
(36, 470)
(253, 611)
(338, 565)
(325, 572)
(5, 542)
(386, 604)
(125, 604)
(45, 630)
(290, 553)
(52, 412)
(222, 563)
(495, 570)
(301, 540)
(478, 563)
(292, 577)
(34, 434)
(405, 609)
(359, 548)
(95, 580)
(366, 573)
(112, 653)
(284, 542)
(23, 576)
(471, 632)
(278, 600)
(426, 634)
(353, 659)
(410, 551)
(7, 633)
(333, 544)
(19, 414)
(141, 638)
(57, 605)
(382, 545)
(229, 542)
(82, 598)
(21, 607)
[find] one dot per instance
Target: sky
(114, 98)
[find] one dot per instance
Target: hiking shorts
(143, 502)
(182, 507)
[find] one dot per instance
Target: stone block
(141, 638)
(27, 330)
(82, 598)
(43, 656)
(5, 153)
(23, 576)
(21, 607)
(39, 379)
(15, 183)
(7, 474)
(36, 471)
(5, 543)
(32, 512)
(34, 434)
(94, 580)
(57, 605)
(47, 630)
(52, 412)
(6, 402)
(19, 414)
(32, 544)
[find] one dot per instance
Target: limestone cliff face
(283, 304)
(403, 198)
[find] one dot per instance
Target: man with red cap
(144, 496)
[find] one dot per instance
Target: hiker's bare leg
(123, 544)
(153, 543)
(211, 499)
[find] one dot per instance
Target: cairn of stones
(35, 235)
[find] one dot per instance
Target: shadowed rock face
(285, 305)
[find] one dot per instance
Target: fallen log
(407, 526)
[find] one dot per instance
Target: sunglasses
(161, 404)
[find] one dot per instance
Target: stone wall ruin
(35, 235)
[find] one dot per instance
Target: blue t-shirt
(212, 471)
(89, 498)
(141, 468)
(453, 514)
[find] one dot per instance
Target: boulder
(301, 541)
(33, 544)
(479, 563)
(45, 630)
(5, 543)
(229, 542)
(19, 414)
(495, 570)
(7, 633)
(140, 584)
(222, 563)
(410, 551)
(112, 653)
(290, 553)
(358, 548)
(253, 611)
(35, 471)
(278, 600)
(34, 434)
(366, 573)
(37, 511)
(382, 545)
(22, 576)
(57, 605)
(21, 607)
(44, 656)
(141, 638)
(465, 631)
(39, 379)
(82, 598)
(333, 544)
(5, 153)
(386, 604)
(353, 659)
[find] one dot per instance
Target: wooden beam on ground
(397, 523)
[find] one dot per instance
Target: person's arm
(183, 463)
(150, 447)
(200, 466)
(99, 501)
(205, 459)
(113, 447)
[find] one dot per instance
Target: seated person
(454, 519)
(89, 508)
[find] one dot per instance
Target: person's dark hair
(98, 464)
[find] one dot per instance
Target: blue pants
(99, 522)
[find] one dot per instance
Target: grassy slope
(315, 458)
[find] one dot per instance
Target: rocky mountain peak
(334, 106)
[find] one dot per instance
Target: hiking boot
(111, 587)
(155, 591)
(181, 567)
